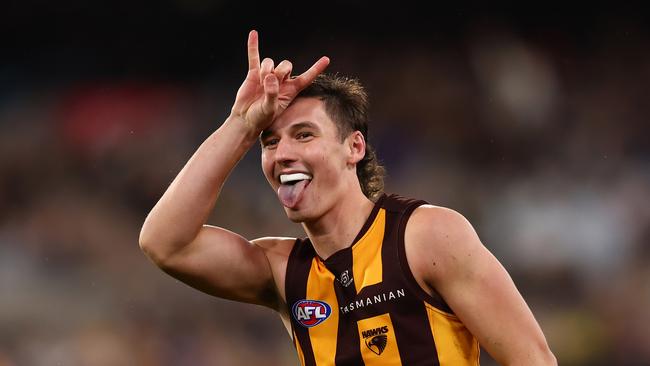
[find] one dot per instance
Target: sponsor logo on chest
(368, 301)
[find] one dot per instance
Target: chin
(295, 215)
(301, 215)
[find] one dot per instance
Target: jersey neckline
(339, 255)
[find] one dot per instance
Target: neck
(340, 225)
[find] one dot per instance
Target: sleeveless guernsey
(362, 305)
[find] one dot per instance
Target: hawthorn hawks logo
(310, 313)
(376, 339)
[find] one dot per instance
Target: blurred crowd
(541, 143)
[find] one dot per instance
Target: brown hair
(346, 103)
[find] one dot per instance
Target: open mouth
(292, 188)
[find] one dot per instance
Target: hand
(268, 90)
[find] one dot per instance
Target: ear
(356, 144)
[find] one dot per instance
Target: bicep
(224, 264)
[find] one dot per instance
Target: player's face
(305, 161)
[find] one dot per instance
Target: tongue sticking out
(290, 194)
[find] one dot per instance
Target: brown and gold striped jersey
(362, 305)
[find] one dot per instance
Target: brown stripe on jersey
(347, 348)
(434, 299)
(298, 267)
(414, 337)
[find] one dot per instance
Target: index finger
(308, 76)
(253, 51)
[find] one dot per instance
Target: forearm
(183, 209)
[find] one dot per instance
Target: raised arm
(175, 235)
(445, 254)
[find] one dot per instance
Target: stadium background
(532, 122)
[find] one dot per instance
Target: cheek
(333, 162)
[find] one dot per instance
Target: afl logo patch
(310, 313)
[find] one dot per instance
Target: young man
(379, 280)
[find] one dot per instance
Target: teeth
(285, 178)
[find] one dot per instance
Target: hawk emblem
(377, 344)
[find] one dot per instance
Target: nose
(285, 152)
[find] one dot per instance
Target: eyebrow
(293, 127)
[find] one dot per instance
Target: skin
(443, 250)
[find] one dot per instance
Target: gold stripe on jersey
(320, 285)
(301, 356)
(378, 343)
(366, 254)
(454, 343)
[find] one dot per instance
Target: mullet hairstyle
(346, 103)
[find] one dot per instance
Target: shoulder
(275, 243)
(437, 222)
(277, 251)
(439, 241)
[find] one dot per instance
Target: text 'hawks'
(374, 332)
(371, 300)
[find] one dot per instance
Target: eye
(270, 143)
(304, 135)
